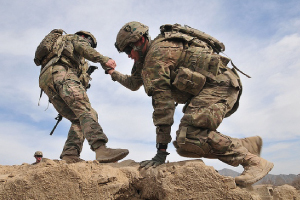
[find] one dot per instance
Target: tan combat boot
(107, 155)
(253, 144)
(255, 168)
(72, 159)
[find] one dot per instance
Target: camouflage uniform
(203, 112)
(64, 82)
(182, 65)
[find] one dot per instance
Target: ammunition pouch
(195, 65)
(189, 81)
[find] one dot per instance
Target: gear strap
(239, 70)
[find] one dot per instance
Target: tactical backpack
(49, 47)
(191, 35)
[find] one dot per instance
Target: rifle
(89, 71)
(58, 118)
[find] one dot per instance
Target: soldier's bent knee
(190, 142)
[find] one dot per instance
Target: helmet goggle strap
(139, 50)
(130, 46)
(89, 39)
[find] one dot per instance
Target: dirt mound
(90, 180)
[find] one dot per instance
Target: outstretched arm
(82, 47)
(132, 82)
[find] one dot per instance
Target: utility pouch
(214, 64)
(68, 49)
(189, 81)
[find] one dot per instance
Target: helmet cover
(38, 153)
(88, 34)
(130, 33)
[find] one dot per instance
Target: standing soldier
(182, 65)
(62, 80)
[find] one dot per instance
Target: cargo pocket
(219, 142)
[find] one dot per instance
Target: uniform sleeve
(132, 82)
(82, 47)
(157, 83)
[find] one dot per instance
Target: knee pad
(194, 147)
(185, 153)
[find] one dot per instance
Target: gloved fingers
(146, 164)
(149, 164)
(156, 164)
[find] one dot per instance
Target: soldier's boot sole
(72, 159)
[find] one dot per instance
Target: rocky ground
(90, 180)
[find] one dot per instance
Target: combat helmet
(89, 36)
(130, 33)
(38, 153)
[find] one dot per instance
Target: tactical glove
(158, 159)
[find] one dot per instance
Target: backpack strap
(239, 70)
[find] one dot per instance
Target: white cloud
(270, 106)
(19, 141)
(265, 48)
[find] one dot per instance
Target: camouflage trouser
(69, 98)
(202, 115)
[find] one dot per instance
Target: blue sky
(262, 38)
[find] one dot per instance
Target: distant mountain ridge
(276, 180)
